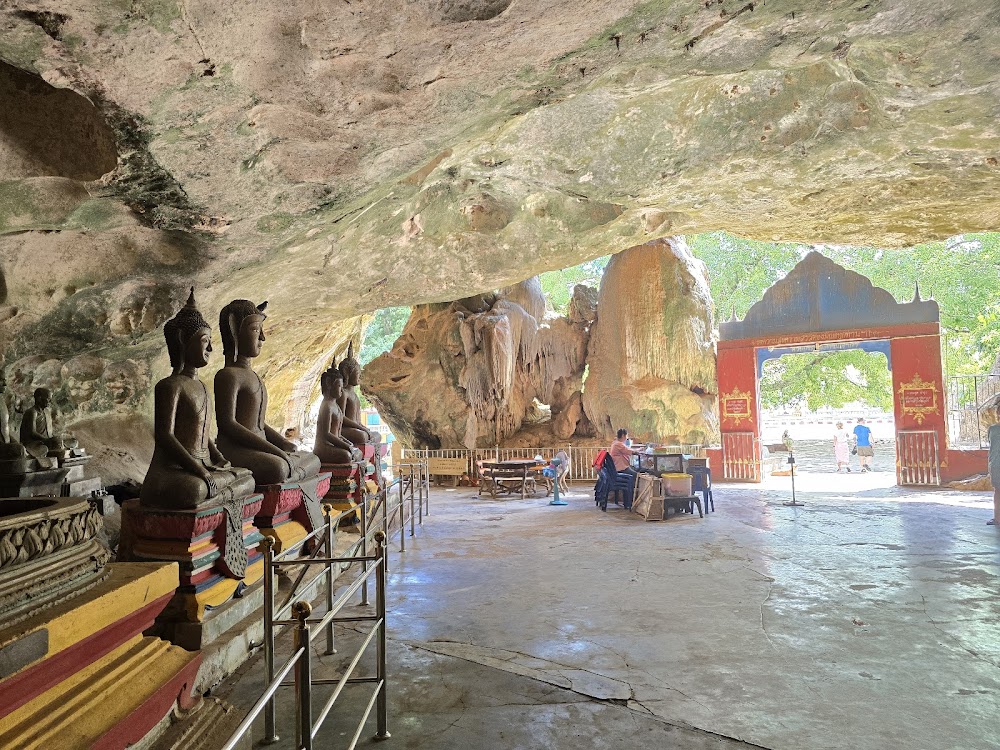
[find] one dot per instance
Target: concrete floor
(870, 618)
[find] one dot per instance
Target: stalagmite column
(651, 355)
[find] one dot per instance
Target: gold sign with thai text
(918, 398)
(736, 406)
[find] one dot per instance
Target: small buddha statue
(241, 403)
(330, 445)
(10, 449)
(187, 470)
(350, 403)
(38, 435)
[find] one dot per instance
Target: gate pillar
(739, 414)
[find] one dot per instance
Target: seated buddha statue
(350, 403)
(187, 470)
(38, 435)
(10, 449)
(241, 403)
(330, 445)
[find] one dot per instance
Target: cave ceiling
(338, 157)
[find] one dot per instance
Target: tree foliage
(383, 330)
(819, 379)
(558, 285)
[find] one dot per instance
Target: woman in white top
(842, 447)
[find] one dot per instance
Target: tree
(383, 330)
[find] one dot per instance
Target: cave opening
(805, 395)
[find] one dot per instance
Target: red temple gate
(820, 306)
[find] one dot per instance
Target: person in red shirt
(621, 454)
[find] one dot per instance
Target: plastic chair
(612, 482)
(701, 481)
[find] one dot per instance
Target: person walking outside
(842, 448)
(866, 453)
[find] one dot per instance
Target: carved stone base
(216, 548)
(292, 510)
(48, 553)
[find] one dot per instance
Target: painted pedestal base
(292, 510)
(346, 487)
(80, 674)
(198, 540)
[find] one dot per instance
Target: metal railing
(966, 396)
(301, 659)
(581, 458)
(377, 514)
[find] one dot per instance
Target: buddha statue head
(331, 383)
(241, 324)
(350, 368)
(189, 337)
(43, 397)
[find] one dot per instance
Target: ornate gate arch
(821, 305)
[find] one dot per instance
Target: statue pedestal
(80, 674)
(216, 562)
(291, 510)
(54, 476)
(346, 486)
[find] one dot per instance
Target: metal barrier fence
(377, 515)
(581, 458)
(966, 395)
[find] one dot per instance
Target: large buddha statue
(350, 403)
(187, 470)
(241, 403)
(331, 446)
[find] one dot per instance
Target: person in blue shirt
(863, 438)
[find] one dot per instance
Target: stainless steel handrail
(306, 628)
(272, 688)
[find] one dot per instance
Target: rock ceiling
(337, 157)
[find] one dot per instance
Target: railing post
(382, 708)
(268, 544)
(402, 511)
(427, 487)
(414, 475)
(330, 646)
(364, 546)
(303, 678)
(420, 495)
(385, 521)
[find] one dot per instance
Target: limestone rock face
(471, 373)
(651, 355)
(340, 157)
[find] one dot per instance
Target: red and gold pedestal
(217, 561)
(346, 487)
(80, 674)
(291, 510)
